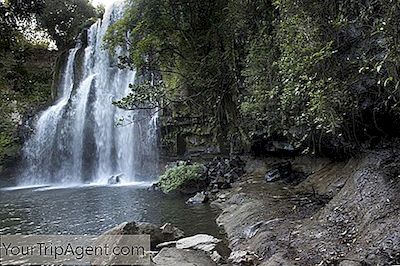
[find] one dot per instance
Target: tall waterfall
(77, 140)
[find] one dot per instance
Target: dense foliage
(65, 19)
(332, 81)
(321, 74)
(27, 66)
(177, 176)
(14, 14)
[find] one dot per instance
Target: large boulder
(202, 242)
(182, 257)
(157, 234)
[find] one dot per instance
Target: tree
(14, 14)
(322, 75)
(64, 19)
(188, 42)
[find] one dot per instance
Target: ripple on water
(93, 210)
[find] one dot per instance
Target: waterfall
(77, 140)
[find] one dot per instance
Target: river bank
(341, 213)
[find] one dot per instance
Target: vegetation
(27, 65)
(322, 75)
(64, 19)
(177, 176)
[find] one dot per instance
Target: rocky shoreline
(341, 213)
(312, 212)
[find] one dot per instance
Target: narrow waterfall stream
(77, 140)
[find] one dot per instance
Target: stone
(157, 235)
(199, 198)
(243, 257)
(273, 176)
(171, 232)
(154, 187)
(223, 172)
(115, 179)
(198, 242)
(182, 257)
(167, 228)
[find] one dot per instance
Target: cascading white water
(77, 140)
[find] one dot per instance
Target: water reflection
(93, 210)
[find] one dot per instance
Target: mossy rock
(184, 178)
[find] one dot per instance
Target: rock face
(198, 242)
(199, 198)
(289, 224)
(182, 257)
(157, 234)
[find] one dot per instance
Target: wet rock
(157, 234)
(182, 257)
(115, 179)
(199, 198)
(170, 230)
(154, 187)
(198, 242)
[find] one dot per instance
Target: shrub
(177, 176)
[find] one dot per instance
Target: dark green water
(94, 210)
